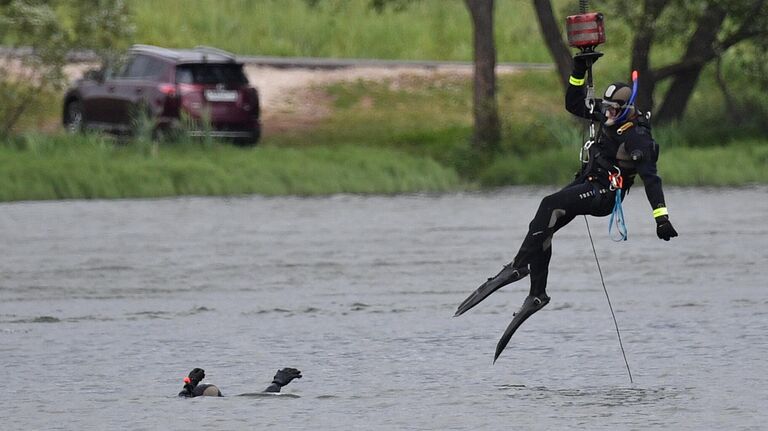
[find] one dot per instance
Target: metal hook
(617, 182)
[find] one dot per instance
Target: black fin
(507, 275)
(531, 305)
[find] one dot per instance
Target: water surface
(106, 305)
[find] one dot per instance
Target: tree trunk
(554, 40)
(700, 49)
(487, 133)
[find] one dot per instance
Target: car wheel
(74, 119)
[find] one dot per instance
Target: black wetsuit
(200, 390)
(629, 146)
(193, 388)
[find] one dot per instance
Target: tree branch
(746, 30)
(701, 57)
(700, 48)
(684, 65)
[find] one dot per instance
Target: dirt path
(292, 98)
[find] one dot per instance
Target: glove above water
(285, 376)
(664, 228)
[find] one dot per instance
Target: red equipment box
(585, 30)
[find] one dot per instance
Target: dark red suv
(201, 91)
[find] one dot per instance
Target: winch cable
(602, 280)
(584, 156)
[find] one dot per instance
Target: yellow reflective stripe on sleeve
(576, 81)
(658, 212)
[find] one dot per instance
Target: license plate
(221, 95)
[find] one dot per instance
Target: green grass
(430, 117)
(428, 29)
(66, 167)
(401, 135)
(395, 132)
(747, 163)
(425, 30)
(738, 164)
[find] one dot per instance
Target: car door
(95, 97)
(128, 91)
(139, 90)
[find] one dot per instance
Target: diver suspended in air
(193, 388)
(623, 149)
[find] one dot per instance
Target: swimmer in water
(193, 388)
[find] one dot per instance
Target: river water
(106, 305)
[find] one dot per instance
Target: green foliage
(551, 167)
(101, 25)
(49, 29)
(398, 5)
(679, 18)
(405, 134)
(541, 142)
(692, 155)
(690, 35)
(747, 163)
(749, 62)
(738, 164)
(426, 30)
(377, 5)
(90, 166)
(34, 25)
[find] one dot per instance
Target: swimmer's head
(193, 388)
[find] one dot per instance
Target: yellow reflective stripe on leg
(576, 81)
(658, 212)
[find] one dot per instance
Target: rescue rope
(602, 280)
(616, 183)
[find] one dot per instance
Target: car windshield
(210, 73)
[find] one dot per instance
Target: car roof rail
(156, 50)
(212, 50)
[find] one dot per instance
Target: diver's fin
(531, 305)
(507, 275)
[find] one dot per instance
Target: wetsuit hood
(617, 97)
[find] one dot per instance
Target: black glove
(284, 376)
(583, 60)
(196, 376)
(664, 228)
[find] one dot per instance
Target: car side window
(154, 69)
(136, 67)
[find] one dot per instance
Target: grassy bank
(431, 117)
(747, 163)
(402, 135)
(93, 167)
(63, 167)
